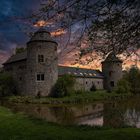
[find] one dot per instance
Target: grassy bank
(18, 126)
(72, 99)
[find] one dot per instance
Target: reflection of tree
(125, 112)
(132, 117)
(113, 115)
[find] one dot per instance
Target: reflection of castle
(85, 114)
(36, 70)
(98, 114)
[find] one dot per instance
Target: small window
(40, 77)
(86, 82)
(112, 83)
(40, 58)
(20, 78)
(41, 35)
(110, 73)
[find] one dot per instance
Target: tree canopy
(105, 25)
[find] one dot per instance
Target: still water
(114, 114)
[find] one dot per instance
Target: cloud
(58, 32)
(42, 23)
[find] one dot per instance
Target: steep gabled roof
(17, 57)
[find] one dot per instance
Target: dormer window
(40, 58)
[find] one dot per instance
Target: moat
(112, 114)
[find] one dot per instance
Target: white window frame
(41, 79)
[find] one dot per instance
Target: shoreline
(73, 99)
(20, 126)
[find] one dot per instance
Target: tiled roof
(79, 72)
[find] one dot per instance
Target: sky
(13, 28)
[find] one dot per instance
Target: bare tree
(111, 25)
(105, 25)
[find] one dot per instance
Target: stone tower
(42, 63)
(112, 71)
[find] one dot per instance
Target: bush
(7, 85)
(64, 86)
(130, 82)
(93, 88)
(134, 79)
(123, 86)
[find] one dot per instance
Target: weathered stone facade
(41, 74)
(36, 70)
(112, 71)
(85, 84)
(18, 71)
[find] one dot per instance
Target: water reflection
(115, 114)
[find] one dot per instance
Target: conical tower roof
(112, 58)
(42, 35)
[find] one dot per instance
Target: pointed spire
(112, 58)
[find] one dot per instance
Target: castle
(36, 70)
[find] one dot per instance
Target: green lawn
(74, 98)
(20, 127)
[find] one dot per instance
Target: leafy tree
(7, 85)
(133, 76)
(130, 82)
(64, 86)
(19, 50)
(123, 86)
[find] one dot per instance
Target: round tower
(112, 71)
(42, 64)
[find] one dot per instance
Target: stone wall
(49, 67)
(18, 71)
(112, 73)
(83, 83)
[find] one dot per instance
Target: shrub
(7, 85)
(134, 79)
(130, 82)
(64, 86)
(77, 92)
(123, 86)
(93, 88)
